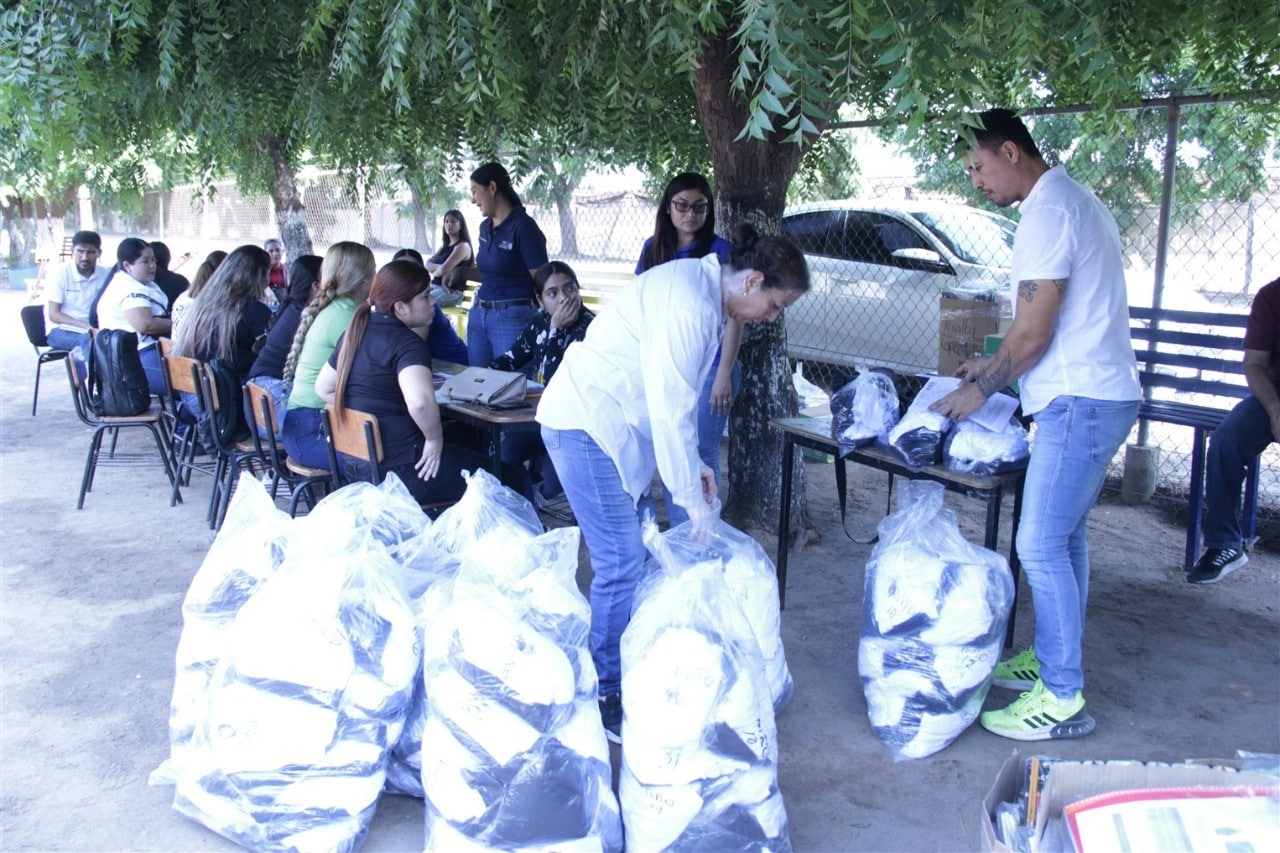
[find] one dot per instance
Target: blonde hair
(347, 267)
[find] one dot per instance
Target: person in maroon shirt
(278, 278)
(1247, 430)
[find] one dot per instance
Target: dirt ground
(90, 614)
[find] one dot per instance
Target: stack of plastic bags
(917, 438)
(974, 449)
(699, 739)
(294, 669)
(864, 411)
(485, 506)
(933, 623)
(514, 756)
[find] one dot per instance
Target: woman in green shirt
(345, 276)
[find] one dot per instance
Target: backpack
(116, 381)
(228, 421)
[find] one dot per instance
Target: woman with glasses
(561, 321)
(685, 227)
(133, 302)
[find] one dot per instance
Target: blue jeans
(610, 524)
(519, 447)
(304, 437)
(1075, 440)
(155, 373)
(710, 430)
(68, 340)
(1242, 435)
(492, 331)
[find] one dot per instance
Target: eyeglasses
(698, 207)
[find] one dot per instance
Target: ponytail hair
(777, 258)
(494, 173)
(347, 267)
(398, 281)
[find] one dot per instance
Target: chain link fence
(881, 265)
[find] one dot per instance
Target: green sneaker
(1019, 672)
(1039, 715)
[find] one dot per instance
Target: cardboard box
(963, 326)
(1070, 781)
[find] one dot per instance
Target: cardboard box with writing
(962, 330)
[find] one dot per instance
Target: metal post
(1162, 234)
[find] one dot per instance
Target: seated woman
(382, 366)
(455, 251)
(268, 368)
(226, 319)
(133, 302)
(344, 280)
(561, 321)
(441, 337)
(187, 298)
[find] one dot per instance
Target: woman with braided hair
(345, 276)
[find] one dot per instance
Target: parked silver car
(878, 270)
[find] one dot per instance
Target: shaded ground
(90, 616)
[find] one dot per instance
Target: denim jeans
(492, 331)
(150, 358)
(304, 437)
(1075, 440)
(1242, 435)
(610, 524)
(710, 430)
(68, 340)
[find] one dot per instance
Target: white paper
(993, 415)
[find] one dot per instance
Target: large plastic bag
(700, 748)
(309, 678)
(864, 411)
(917, 438)
(753, 582)
(485, 505)
(808, 394)
(934, 613)
(974, 449)
(514, 754)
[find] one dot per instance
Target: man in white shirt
(1069, 343)
(73, 290)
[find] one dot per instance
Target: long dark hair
(494, 173)
(464, 236)
(232, 288)
(398, 281)
(777, 258)
(549, 269)
(666, 240)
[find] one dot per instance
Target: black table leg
(784, 518)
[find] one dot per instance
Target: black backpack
(228, 421)
(117, 382)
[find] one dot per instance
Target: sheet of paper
(993, 415)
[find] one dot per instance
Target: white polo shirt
(125, 292)
(76, 292)
(1066, 232)
(632, 384)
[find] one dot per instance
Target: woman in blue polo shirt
(512, 247)
(382, 366)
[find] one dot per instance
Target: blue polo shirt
(506, 255)
(720, 247)
(388, 346)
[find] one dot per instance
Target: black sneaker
(611, 716)
(1216, 564)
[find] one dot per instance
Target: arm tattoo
(997, 375)
(1027, 289)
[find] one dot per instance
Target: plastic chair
(105, 425)
(33, 322)
(301, 479)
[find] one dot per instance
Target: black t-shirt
(388, 347)
(253, 322)
(275, 352)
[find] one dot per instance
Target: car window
(812, 232)
(973, 236)
(874, 237)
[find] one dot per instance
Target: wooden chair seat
(305, 470)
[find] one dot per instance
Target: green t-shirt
(321, 339)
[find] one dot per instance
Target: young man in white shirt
(73, 290)
(1069, 343)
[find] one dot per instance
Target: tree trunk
(420, 239)
(564, 209)
(291, 216)
(751, 179)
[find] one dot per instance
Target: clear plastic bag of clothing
(917, 438)
(974, 449)
(752, 579)
(700, 748)
(864, 410)
(514, 754)
(308, 679)
(935, 607)
(485, 505)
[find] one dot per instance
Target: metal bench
(1184, 351)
